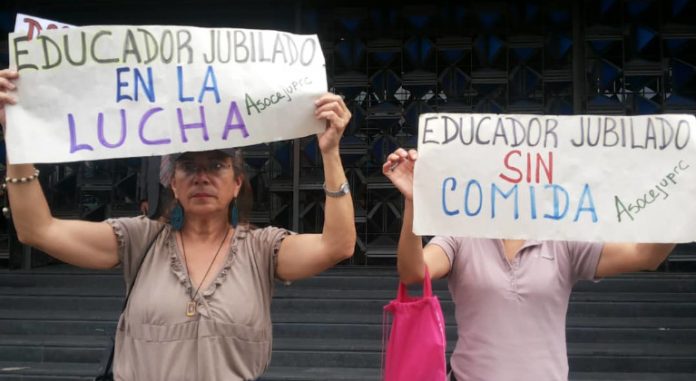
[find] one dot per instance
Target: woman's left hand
(331, 108)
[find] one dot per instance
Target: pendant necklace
(191, 305)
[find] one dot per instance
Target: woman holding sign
(510, 296)
(200, 307)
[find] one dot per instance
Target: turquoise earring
(176, 217)
(234, 214)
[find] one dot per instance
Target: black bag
(106, 364)
(106, 372)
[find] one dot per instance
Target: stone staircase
(55, 323)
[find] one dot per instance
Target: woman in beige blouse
(200, 307)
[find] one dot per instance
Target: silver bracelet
(15, 180)
(343, 190)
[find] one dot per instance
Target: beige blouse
(230, 336)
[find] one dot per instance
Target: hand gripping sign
(103, 92)
(583, 177)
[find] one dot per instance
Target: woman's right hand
(7, 86)
(399, 170)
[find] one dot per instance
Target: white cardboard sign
(583, 177)
(103, 92)
(33, 26)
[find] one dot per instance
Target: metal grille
(393, 61)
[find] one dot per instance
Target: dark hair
(245, 198)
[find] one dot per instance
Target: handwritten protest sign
(33, 26)
(589, 177)
(121, 91)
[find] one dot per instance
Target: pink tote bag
(415, 350)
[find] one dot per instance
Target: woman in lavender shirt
(510, 296)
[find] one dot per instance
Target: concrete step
(625, 376)
(49, 371)
(63, 303)
(631, 364)
(360, 374)
(77, 371)
(350, 333)
(590, 359)
(28, 326)
(85, 315)
(294, 292)
(86, 305)
(573, 334)
(358, 278)
(39, 354)
(16, 343)
(75, 278)
(634, 327)
(365, 353)
(290, 373)
(345, 345)
(345, 317)
(68, 333)
(66, 341)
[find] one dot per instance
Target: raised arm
(618, 258)
(81, 243)
(411, 256)
(303, 255)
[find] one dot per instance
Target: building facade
(393, 61)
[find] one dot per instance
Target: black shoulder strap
(137, 271)
(106, 364)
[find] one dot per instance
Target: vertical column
(578, 57)
(296, 145)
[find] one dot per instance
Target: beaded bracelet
(15, 180)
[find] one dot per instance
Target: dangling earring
(234, 214)
(176, 217)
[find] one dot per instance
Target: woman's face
(204, 182)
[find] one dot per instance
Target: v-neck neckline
(214, 281)
(515, 258)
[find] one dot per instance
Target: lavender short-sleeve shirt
(511, 314)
